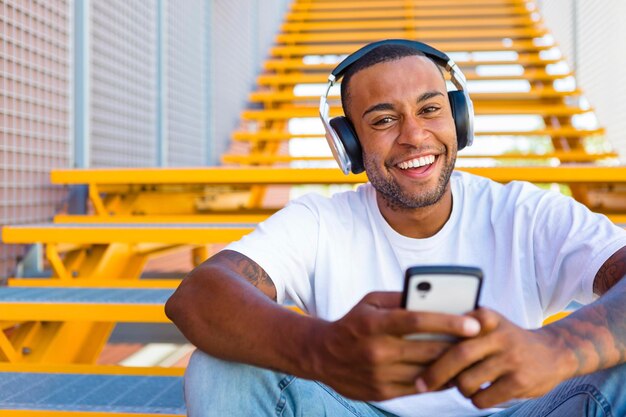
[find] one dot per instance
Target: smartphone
(441, 289)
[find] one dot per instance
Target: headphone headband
(341, 138)
(439, 57)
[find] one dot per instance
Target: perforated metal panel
(561, 11)
(242, 33)
(92, 393)
(214, 50)
(34, 111)
(593, 35)
(601, 63)
(123, 81)
(186, 79)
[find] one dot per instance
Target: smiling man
(342, 260)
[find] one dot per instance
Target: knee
(215, 384)
(205, 371)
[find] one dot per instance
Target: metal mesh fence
(34, 112)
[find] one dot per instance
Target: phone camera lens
(423, 286)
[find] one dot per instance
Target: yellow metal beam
(47, 413)
(298, 176)
(161, 219)
(94, 283)
(84, 312)
(106, 234)
(44, 368)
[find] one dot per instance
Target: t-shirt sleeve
(571, 243)
(285, 246)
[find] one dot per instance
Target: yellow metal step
(524, 59)
(416, 33)
(461, 22)
(442, 11)
(531, 75)
(572, 156)
(190, 234)
(84, 304)
(269, 136)
(535, 94)
(286, 113)
(90, 391)
(161, 219)
(448, 46)
(382, 4)
(93, 283)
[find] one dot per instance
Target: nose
(412, 131)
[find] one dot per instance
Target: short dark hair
(384, 53)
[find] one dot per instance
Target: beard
(399, 199)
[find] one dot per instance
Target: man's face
(402, 116)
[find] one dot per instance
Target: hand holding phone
(441, 289)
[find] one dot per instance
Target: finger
(401, 373)
(384, 299)
(397, 390)
(455, 360)
(472, 379)
(421, 352)
(500, 391)
(404, 322)
(488, 319)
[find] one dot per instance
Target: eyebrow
(388, 106)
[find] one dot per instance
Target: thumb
(383, 299)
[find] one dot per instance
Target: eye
(383, 121)
(430, 109)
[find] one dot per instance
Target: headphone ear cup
(345, 131)
(460, 114)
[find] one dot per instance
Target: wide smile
(417, 167)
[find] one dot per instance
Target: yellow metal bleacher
(136, 214)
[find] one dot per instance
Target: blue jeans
(219, 388)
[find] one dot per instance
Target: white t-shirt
(538, 250)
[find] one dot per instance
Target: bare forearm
(227, 317)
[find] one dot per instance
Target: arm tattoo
(248, 269)
(596, 333)
(612, 271)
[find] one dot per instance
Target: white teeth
(417, 162)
